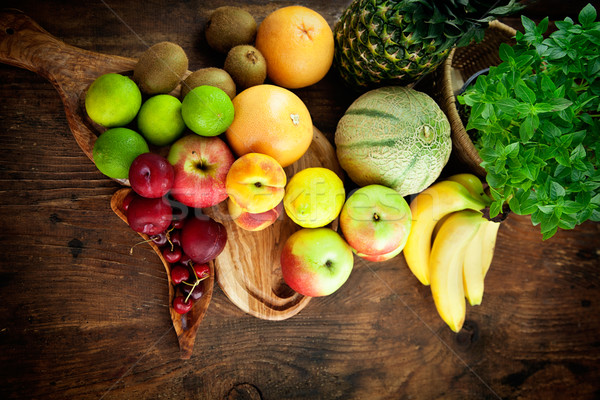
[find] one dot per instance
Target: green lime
(113, 100)
(160, 121)
(207, 110)
(115, 150)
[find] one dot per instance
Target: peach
(256, 182)
(250, 221)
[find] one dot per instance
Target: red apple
(316, 261)
(201, 165)
(381, 257)
(203, 238)
(376, 221)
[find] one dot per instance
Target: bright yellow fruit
(314, 197)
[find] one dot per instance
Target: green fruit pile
(142, 111)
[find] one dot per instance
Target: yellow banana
(478, 259)
(446, 265)
(489, 244)
(473, 267)
(437, 226)
(427, 208)
(473, 184)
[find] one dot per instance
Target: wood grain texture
(70, 69)
(81, 318)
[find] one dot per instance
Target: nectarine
(256, 182)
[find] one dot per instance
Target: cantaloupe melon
(394, 136)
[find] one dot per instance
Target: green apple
(376, 221)
(316, 261)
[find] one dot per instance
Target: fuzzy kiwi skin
(160, 68)
(246, 65)
(228, 27)
(209, 76)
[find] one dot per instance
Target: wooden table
(83, 318)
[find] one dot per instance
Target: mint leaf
(524, 93)
(559, 104)
(567, 222)
(506, 52)
(537, 117)
(495, 208)
(512, 150)
(556, 190)
(587, 15)
(528, 24)
(549, 223)
(526, 130)
(578, 152)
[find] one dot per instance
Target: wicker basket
(459, 66)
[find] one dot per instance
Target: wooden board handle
(24, 44)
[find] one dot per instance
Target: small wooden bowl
(461, 64)
(186, 325)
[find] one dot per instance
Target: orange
(297, 43)
(271, 120)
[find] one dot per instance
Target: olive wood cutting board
(248, 270)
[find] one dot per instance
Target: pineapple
(380, 42)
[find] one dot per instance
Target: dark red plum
(149, 216)
(151, 175)
(203, 238)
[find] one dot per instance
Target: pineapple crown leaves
(452, 22)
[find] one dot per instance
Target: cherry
(149, 216)
(177, 223)
(160, 239)
(191, 291)
(172, 254)
(151, 175)
(185, 259)
(175, 237)
(181, 306)
(202, 270)
(179, 273)
(203, 238)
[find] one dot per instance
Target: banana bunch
(449, 214)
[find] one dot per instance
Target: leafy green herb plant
(536, 119)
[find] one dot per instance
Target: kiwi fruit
(246, 65)
(228, 27)
(160, 68)
(209, 76)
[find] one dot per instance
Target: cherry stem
(167, 234)
(196, 283)
(142, 242)
(191, 291)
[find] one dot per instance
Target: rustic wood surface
(82, 318)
